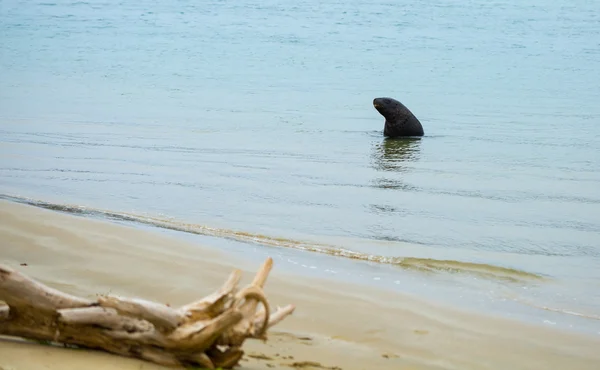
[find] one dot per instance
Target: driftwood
(208, 333)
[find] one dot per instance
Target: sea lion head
(389, 108)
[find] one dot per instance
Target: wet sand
(334, 325)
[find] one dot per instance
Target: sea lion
(399, 121)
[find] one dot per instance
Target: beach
(149, 148)
(334, 326)
(250, 127)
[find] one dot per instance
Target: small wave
(569, 312)
(412, 263)
(481, 269)
(558, 310)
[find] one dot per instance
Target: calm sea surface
(249, 125)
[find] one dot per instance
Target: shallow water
(250, 123)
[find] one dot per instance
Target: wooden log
(254, 295)
(203, 360)
(208, 332)
(213, 304)
(225, 359)
(247, 299)
(163, 317)
(259, 282)
(107, 318)
(17, 289)
(275, 318)
(201, 335)
(4, 311)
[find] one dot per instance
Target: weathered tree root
(208, 333)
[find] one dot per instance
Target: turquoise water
(250, 124)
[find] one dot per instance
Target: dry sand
(334, 326)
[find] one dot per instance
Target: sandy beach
(335, 326)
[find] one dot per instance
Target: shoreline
(85, 256)
(456, 284)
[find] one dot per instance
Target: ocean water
(249, 125)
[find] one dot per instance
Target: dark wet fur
(399, 120)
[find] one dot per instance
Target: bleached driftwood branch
(209, 332)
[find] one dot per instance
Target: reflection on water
(393, 154)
